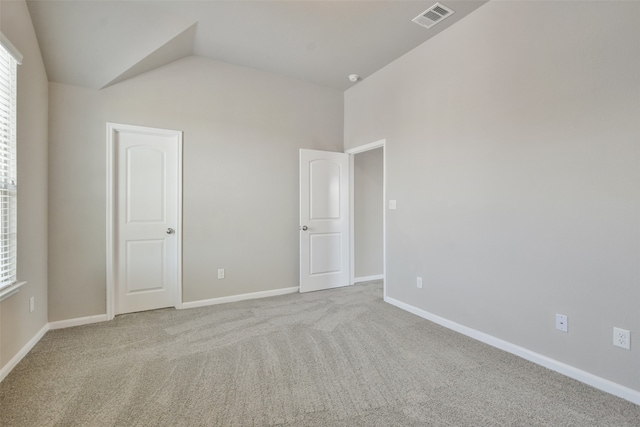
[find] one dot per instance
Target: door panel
(324, 195)
(324, 211)
(145, 184)
(325, 253)
(144, 272)
(147, 200)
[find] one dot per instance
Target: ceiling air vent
(433, 15)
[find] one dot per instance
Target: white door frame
(352, 152)
(112, 128)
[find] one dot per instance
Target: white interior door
(147, 222)
(324, 220)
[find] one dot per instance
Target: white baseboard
(241, 297)
(78, 321)
(367, 278)
(23, 352)
(562, 368)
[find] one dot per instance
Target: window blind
(8, 175)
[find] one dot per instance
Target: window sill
(10, 290)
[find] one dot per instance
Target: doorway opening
(368, 213)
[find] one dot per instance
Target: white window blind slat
(8, 174)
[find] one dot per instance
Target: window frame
(11, 57)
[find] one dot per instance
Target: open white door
(324, 220)
(146, 222)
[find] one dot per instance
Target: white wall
(513, 149)
(368, 215)
(17, 325)
(242, 132)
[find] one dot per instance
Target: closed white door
(324, 220)
(147, 218)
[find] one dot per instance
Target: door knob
(170, 231)
(305, 228)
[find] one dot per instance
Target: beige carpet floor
(333, 358)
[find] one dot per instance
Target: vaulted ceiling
(99, 43)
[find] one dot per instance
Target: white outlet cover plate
(622, 338)
(562, 323)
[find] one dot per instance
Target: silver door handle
(304, 228)
(170, 231)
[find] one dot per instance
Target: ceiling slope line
(178, 47)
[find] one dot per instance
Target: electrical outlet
(562, 323)
(419, 282)
(221, 273)
(392, 204)
(622, 338)
(32, 304)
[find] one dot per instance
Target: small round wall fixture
(354, 77)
